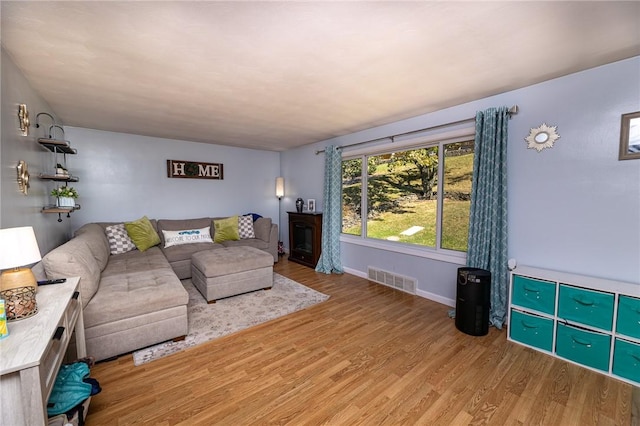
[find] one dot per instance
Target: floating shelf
(59, 178)
(56, 209)
(57, 145)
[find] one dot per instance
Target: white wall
(124, 176)
(573, 208)
(17, 209)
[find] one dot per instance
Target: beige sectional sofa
(135, 299)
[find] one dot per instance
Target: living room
(573, 207)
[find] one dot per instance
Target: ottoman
(230, 271)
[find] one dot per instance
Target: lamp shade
(279, 187)
(18, 247)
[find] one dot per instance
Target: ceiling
(277, 75)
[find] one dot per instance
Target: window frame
(415, 141)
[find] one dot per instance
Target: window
(419, 196)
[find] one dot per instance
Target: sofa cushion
(96, 239)
(185, 251)
(186, 236)
(226, 229)
(262, 228)
(146, 285)
(142, 233)
(119, 241)
(249, 242)
(180, 224)
(74, 259)
(245, 227)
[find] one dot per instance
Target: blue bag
(69, 388)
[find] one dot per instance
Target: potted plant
(61, 170)
(65, 196)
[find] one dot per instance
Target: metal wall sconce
(23, 177)
(23, 118)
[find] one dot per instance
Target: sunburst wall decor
(542, 137)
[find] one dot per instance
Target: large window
(417, 196)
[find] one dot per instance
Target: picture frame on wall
(311, 205)
(630, 136)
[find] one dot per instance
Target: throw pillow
(186, 236)
(119, 241)
(226, 229)
(142, 233)
(245, 227)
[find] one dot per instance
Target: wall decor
(630, 136)
(23, 177)
(194, 170)
(23, 118)
(542, 137)
(311, 205)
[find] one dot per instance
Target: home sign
(194, 170)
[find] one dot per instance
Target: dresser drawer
(626, 360)
(628, 316)
(584, 347)
(535, 294)
(586, 306)
(532, 330)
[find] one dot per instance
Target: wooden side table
(31, 355)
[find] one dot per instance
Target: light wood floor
(369, 355)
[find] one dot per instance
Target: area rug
(226, 316)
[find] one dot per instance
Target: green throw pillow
(226, 229)
(142, 233)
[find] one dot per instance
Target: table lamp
(18, 285)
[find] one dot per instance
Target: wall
(573, 208)
(16, 209)
(124, 176)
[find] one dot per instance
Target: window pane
(402, 196)
(458, 172)
(351, 196)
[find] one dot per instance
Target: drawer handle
(75, 296)
(581, 342)
(533, 290)
(633, 355)
(583, 302)
(525, 325)
(58, 334)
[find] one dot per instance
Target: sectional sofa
(135, 299)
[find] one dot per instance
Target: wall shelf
(57, 146)
(59, 178)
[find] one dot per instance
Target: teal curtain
(487, 245)
(330, 261)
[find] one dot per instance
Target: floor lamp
(280, 194)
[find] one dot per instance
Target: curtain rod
(512, 111)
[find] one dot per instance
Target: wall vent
(393, 280)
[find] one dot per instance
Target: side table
(31, 355)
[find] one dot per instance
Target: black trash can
(473, 301)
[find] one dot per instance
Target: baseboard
(425, 294)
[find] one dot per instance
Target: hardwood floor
(369, 355)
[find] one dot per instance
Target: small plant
(65, 191)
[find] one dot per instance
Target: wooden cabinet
(591, 322)
(31, 355)
(305, 238)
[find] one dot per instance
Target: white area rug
(226, 316)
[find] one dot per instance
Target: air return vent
(393, 280)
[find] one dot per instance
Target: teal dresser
(588, 321)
